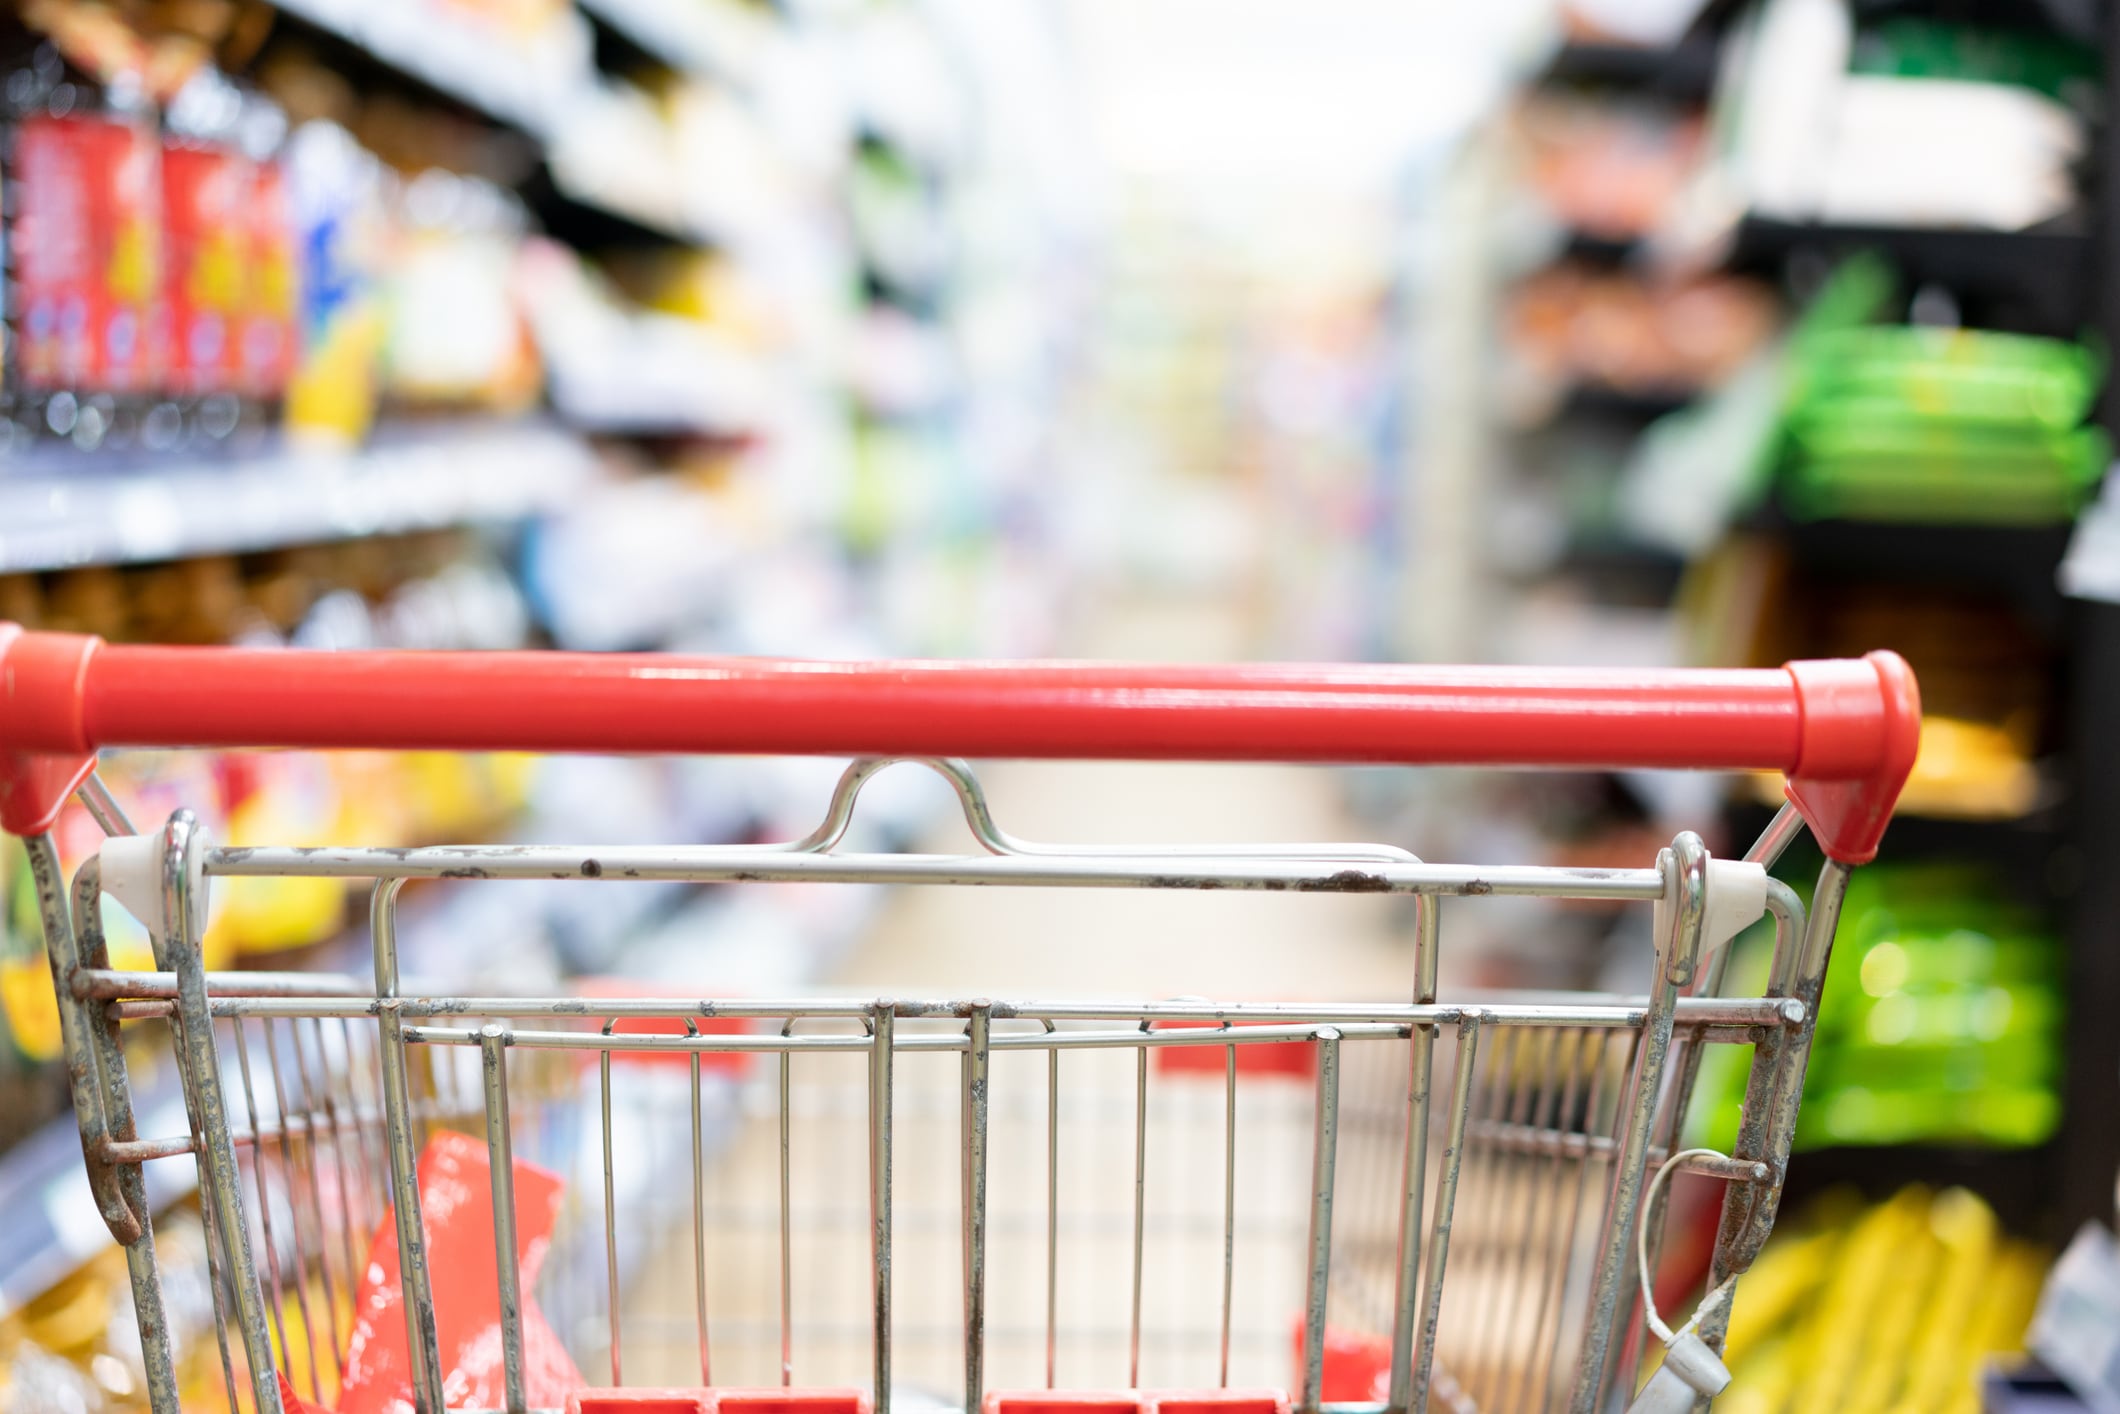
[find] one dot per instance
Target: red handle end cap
(44, 749)
(1861, 731)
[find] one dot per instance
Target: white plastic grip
(132, 874)
(1737, 898)
(1736, 892)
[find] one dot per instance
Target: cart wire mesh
(939, 1198)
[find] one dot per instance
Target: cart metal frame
(1844, 732)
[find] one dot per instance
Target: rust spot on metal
(592, 869)
(464, 871)
(1183, 881)
(1476, 888)
(1347, 881)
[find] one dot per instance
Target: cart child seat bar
(1842, 731)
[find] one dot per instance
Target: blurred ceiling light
(1278, 96)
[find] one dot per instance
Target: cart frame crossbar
(1536, 1111)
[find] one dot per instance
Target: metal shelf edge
(59, 517)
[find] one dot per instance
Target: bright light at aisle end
(1287, 94)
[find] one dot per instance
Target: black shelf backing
(588, 227)
(1683, 72)
(1606, 402)
(2015, 563)
(2031, 851)
(2026, 282)
(2017, 1183)
(2090, 1141)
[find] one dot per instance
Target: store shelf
(1682, 71)
(714, 39)
(53, 1225)
(62, 511)
(632, 204)
(639, 398)
(548, 92)
(1618, 571)
(2034, 281)
(1597, 248)
(2018, 562)
(2060, 16)
(2017, 1183)
(466, 61)
(2026, 847)
(1610, 403)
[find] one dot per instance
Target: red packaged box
(205, 260)
(88, 253)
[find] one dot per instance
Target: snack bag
(456, 1203)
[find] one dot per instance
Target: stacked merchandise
(195, 271)
(1894, 1305)
(435, 591)
(1896, 423)
(1597, 337)
(668, 299)
(1909, 121)
(1602, 173)
(1940, 1024)
(1888, 448)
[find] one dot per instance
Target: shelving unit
(2055, 280)
(716, 40)
(2091, 1150)
(67, 510)
(1685, 70)
(737, 443)
(456, 58)
(53, 1224)
(2029, 282)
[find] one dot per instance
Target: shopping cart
(1534, 1180)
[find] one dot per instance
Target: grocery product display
(1891, 440)
(765, 377)
(412, 327)
(1941, 1022)
(1931, 1273)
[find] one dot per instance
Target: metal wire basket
(764, 1205)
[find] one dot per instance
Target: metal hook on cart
(1692, 1369)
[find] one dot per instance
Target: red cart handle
(1843, 731)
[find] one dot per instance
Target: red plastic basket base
(1135, 1401)
(1357, 1366)
(718, 1401)
(636, 1401)
(1295, 1060)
